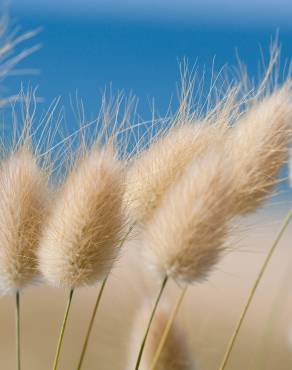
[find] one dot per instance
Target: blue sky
(219, 10)
(89, 44)
(136, 46)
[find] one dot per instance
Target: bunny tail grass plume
(80, 239)
(186, 235)
(258, 147)
(23, 201)
(155, 169)
(176, 354)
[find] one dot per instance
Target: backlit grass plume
(154, 170)
(176, 354)
(186, 235)
(258, 148)
(79, 241)
(23, 203)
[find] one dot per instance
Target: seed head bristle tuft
(79, 242)
(258, 147)
(23, 203)
(157, 168)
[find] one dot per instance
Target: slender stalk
(253, 291)
(97, 302)
(279, 300)
(167, 328)
(91, 324)
(17, 305)
(62, 332)
(150, 322)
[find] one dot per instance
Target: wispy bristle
(156, 169)
(176, 354)
(258, 146)
(10, 53)
(79, 242)
(186, 235)
(23, 201)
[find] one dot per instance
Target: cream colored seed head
(186, 235)
(79, 242)
(258, 148)
(23, 201)
(176, 354)
(153, 172)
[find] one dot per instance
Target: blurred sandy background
(207, 316)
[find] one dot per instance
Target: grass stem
(91, 324)
(253, 291)
(17, 305)
(62, 332)
(97, 302)
(167, 328)
(150, 322)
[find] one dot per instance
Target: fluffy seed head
(176, 354)
(79, 241)
(258, 147)
(23, 200)
(186, 235)
(153, 172)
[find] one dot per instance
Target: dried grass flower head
(156, 169)
(80, 240)
(23, 201)
(258, 147)
(176, 353)
(186, 236)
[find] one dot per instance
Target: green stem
(85, 345)
(91, 324)
(62, 332)
(150, 322)
(253, 291)
(167, 328)
(18, 358)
